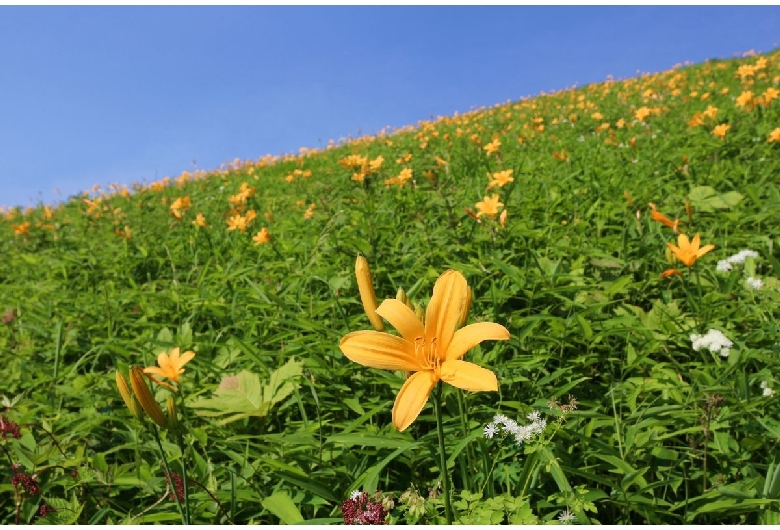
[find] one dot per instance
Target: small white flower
(534, 416)
(500, 419)
(354, 495)
(580, 138)
(566, 517)
(523, 434)
(714, 340)
(740, 256)
(768, 392)
(490, 430)
(723, 266)
(754, 283)
(538, 426)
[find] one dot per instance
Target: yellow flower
(492, 147)
(171, 366)
(432, 350)
(237, 222)
(262, 237)
(309, 213)
(200, 221)
(500, 178)
(489, 205)
(22, 229)
(774, 136)
(688, 251)
(745, 99)
(641, 113)
(720, 130)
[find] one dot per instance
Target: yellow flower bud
(419, 311)
(173, 419)
(145, 397)
(367, 295)
(401, 297)
(129, 398)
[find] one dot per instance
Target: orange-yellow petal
(702, 251)
(379, 350)
(155, 370)
(402, 318)
(186, 357)
(412, 398)
(445, 308)
(471, 335)
(468, 376)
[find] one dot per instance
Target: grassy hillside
(543, 205)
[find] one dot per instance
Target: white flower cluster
(725, 265)
(754, 283)
(521, 433)
(768, 392)
(714, 340)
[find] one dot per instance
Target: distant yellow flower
(711, 112)
(688, 251)
(124, 234)
(200, 221)
(262, 237)
(774, 136)
(492, 147)
(746, 99)
(720, 130)
(502, 218)
(597, 116)
(489, 205)
(642, 113)
(376, 163)
(500, 178)
(432, 349)
(22, 229)
(237, 222)
(562, 156)
(769, 94)
(170, 366)
(309, 213)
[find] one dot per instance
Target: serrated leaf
(242, 395)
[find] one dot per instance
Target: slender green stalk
(168, 472)
(445, 478)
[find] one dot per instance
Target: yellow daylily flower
(171, 366)
(432, 350)
(688, 251)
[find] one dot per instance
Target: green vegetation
(252, 267)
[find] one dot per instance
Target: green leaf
(242, 395)
(281, 505)
(706, 199)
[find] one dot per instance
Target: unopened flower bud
(145, 397)
(173, 419)
(127, 396)
(420, 312)
(367, 295)
(401, 297)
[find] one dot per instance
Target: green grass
(662, 433)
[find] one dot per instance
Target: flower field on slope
(180, 350)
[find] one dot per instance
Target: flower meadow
(556, 310)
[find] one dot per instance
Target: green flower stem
(168, 473)
(445, 478)
(180, 440)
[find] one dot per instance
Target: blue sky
(129, 94)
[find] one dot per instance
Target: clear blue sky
(130, 94)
